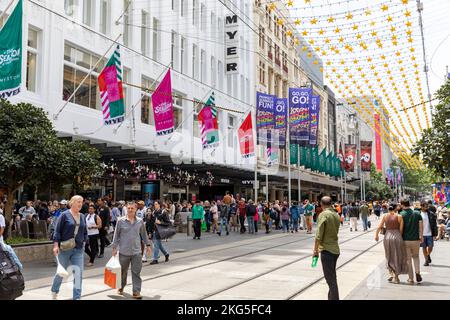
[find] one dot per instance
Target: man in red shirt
(242, 212)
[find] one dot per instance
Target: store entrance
(214, 192)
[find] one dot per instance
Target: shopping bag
(204, 225)
(60, 270)
(112, 275)
(166, 231)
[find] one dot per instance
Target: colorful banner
(299, 104)
(245, 136)
(378, 143)
(162, 103)
(265, 116)
(314, 116)
(207, 120)
(111, 91)
(281, 106)
(366, 155)
(11, 54)
(441, 192)
(350, 156)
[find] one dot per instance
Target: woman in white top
(93, 224)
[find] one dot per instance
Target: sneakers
(429, 259)
(54, 296)
(426, 264)
(120, 292)
(90, 264)
(418, 277)
(167, 258)
(228, 233)
(144, 260)
(154, 262)
(396, 280)
(137, 295)
(410, 281)
(219, 234)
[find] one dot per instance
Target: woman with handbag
(159, 217)
(69, 239)
(394, 248)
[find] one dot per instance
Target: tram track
(214, 249)
(210, 263)
(217, 292)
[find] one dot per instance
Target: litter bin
(189, 225)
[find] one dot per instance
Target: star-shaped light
(349, 16)
(389, 19)
(321, 31)
(337, 30)
(355, 27)
(327, 41)
(341, 40)
(384, 8)
(330, 19)
(290, 3)
(372, 23)
(407, 13)
(297, 21)
(358, 36)
(313, 21)
(305, 33)
(368, 12)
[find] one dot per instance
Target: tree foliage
(376, 186)
(434, 146)
(31, 152)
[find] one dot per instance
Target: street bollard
(189, 226)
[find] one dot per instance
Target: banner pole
(299, 171)
(288, 156)
(6, 9)
(255, 182)
(55, 117)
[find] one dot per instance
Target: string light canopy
(368, 49)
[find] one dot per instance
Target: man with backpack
(251, 212)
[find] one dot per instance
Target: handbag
(70, 244)
(383, 231)
(166, 231)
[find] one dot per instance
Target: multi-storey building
(67, 41)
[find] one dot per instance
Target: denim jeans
(364, 222)
(251, 224)
(73, 261)
(157, 245)
(285, 225)
(223, 221)
(295, 224)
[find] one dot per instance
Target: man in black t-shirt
(104, 213)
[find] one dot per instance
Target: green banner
(302, 156)
(294, 153)
(328, 164)
(322, 161)
(308, 157)
(11, 54)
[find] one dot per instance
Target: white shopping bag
(113, 271)
(60, 270)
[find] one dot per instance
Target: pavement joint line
(311, 284)
(207, 264)
(188, 254)
(272, 270)
(211, 250)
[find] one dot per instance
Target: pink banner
(163, 107)
(378, 143)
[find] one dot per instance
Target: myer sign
(231, 44)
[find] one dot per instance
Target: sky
(351, 67)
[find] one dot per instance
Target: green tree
(434, 146)
(416, 180)
(376, 187)
(31, 153)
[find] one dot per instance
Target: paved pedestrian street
(260, 267)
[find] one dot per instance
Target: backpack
(12, 282)
(273, 214)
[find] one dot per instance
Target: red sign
(366, 155)
(245, 136)
(350, 156)
(378, 143)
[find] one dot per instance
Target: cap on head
(64, 202)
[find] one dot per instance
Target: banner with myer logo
(11, 54)
(163, 107)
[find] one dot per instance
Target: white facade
(190, 34)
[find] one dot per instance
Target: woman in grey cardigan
(129, 233)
